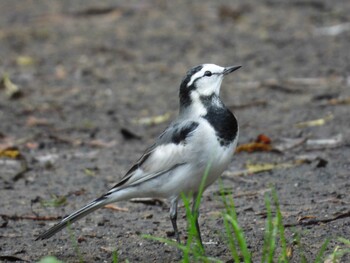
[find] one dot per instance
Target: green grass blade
(231, 241)
(192, 231)
(272, 244)
(185, 249)
(268, 229)
(231, 225)
(229, 210)
(240, 239)
(115, 256)
(193, 246)
(321, 252)
(345, 241)
(202, 187)
(191, 215)
(49, 259)
(284, 257)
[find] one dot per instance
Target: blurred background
(86, 86)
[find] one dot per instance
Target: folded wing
(168, 152)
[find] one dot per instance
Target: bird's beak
(228, 70)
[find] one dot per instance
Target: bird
(203, 136)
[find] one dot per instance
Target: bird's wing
(167, 153)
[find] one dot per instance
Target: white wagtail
(205, 132)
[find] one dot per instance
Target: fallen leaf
(116, 208)
(11, 153)
(262, 138)
(289, 252)
(317, 122)
(24, 61)
(153, 120)
(316, 144)
(261, 167)
(253, 147)
(90, 172)
(287, 143)
(12, 91)
(261, 143)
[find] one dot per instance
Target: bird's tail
(94, 205)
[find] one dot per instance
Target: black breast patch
(222, 120)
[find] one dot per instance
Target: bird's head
(201, 81)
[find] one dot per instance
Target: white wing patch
(163, 158)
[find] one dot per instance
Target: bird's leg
(195, 213)
(173, 217)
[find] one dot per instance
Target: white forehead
(205, 67)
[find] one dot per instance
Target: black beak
(228, 70)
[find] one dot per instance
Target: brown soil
(88, 69)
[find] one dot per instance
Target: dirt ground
(92, 76)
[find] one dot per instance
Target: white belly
(205, 155)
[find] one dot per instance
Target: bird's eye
(207, 74)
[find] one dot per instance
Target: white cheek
(208, 86)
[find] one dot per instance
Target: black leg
(173, 217)
(195, 212)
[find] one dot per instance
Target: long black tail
(94, 205)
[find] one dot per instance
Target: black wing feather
(173, 134)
